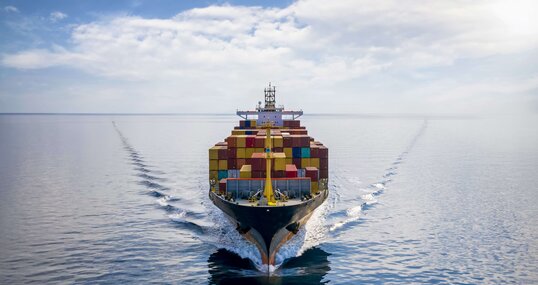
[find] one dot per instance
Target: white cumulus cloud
(11, 9)
(57, 16)
(311, 43)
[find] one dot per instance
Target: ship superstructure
(269, 175)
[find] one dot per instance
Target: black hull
(269, 227)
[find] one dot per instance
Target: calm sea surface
(413, 201)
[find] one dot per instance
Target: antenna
(270, 97)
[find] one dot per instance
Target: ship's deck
(289, 202)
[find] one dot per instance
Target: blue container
(248, 133)
(305, 152)
(223, 174)
(247, 124)
(296, 152)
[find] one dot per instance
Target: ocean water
(108, 199)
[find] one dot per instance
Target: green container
(223, 174)
(305, 152)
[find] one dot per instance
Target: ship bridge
(269, 113)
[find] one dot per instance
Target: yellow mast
(268, 190)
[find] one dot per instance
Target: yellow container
(214, 152)
(249, 151)
(289, 160)
(252, 123)
(213, 164)
(241, 153)
(278, 141)
(259, 149)
(246, 171)
(223, 164)
(238, 132)
(305, 162)
(241, 141)
(280, 164)
(213, 174)
(314, 162)
(314, 187)
(279, 155)
(288, 151)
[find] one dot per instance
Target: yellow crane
(268, 190)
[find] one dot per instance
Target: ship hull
(269, 227)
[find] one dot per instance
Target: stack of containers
(295, 154)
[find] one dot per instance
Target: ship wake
(370, 194)
(153, 181)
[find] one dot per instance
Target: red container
(313, 173)
(323, 173)
(258, 161)
(278, 174)
(278, 149)
(232, 141)
(305, 141)
(232, 163)
(295, 141)
(291, 171)
(232, 152)
(259, 141)
(314, 151)
(222, 185)
(323, 152)
(288, 141)
(258, 174)
(323, 163)
(223, 153)
(241, 162)
(250, 141)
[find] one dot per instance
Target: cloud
(301, 45)
(57, 16)
(11, 9)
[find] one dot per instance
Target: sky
(347, 56)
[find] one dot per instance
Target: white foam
(179, 216)
(163, 200)
(379, 186)
(368, 197)
(353, 214)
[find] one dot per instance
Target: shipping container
(296, 152)
(312, 173)
(214, 174)
(232, 141)
(223, 164)
(213, 164)
(250, 141)
(277, 141)
(291, 171)
(223, 174)
(240, 153)
(246, 171)
(241, 141)
(289, 152)
(233, 173)
(222, 185)
(305, 152)
(214, 152)
(232, 163)
(259, 142)
(314, 162)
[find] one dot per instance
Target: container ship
(268, 176)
